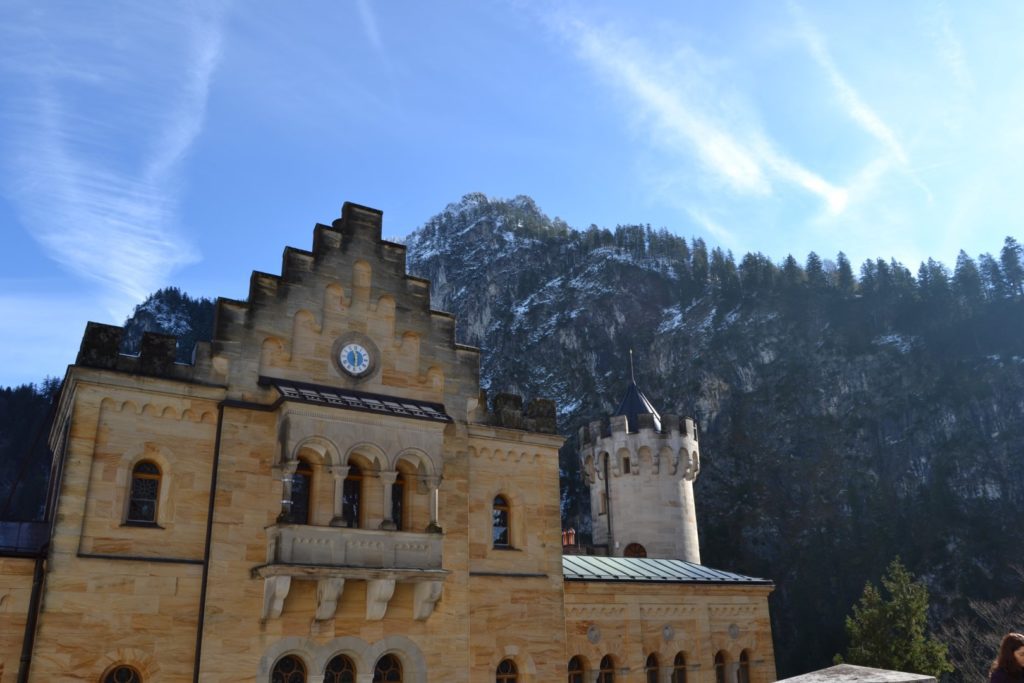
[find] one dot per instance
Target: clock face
(355, 359)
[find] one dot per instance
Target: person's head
(1011, 653)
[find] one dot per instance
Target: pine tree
(889, 633)
(845, 281)
(1013, 270)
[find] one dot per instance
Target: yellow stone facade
(224, 584)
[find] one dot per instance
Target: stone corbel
(425, 596)
(327, 593)
(378, 594)
(675, 463)
(275, 590)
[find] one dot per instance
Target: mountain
(844, 419)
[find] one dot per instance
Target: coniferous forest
(848, 414)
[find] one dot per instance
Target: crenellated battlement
(507, 411)
(101, 348)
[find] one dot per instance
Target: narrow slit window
(500, 522)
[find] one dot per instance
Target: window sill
(505, 547)
(144, 525)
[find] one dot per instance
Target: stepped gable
(352, 286)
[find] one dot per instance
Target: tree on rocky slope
(889, 633)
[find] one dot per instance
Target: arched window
(575, 670)
(288, 669)
(302, 484)
(634, 550)
(352, 497)
(122, 674)
(340, 670)
(744, 670)
(507, 672)
(145, 493)
(679, 668)
(500, 519)
(607, 672)
(398, 502)
(651, 668)
(720, 667)
(626, 465)
(388, 669)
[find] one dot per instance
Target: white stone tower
(640, 467)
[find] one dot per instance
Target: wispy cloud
(727, 146)
(951, 50)
(106, 107)
(369, 22)
(715, 229)
(866, 117)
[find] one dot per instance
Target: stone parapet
(357, 548)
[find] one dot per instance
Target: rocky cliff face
(842, 423)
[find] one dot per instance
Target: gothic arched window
(144, 494)
(352, 497)
(122, 674)
(607, 672)
(340, 670)
(288, 669)
(507, 672)
(500, 523)
(575, 670)
(302, 484)
(388, 670)
(679, 668)
(651, 668)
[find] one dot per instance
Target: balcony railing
(357, 548)
(333, 555)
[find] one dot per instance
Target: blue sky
(152, 144)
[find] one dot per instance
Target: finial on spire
(632, 376)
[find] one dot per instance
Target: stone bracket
(378, 594)
(327, 593)
(275, 590)
(425, 596)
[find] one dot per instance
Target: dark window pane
(351, 497)
(289, 669)
(123, 674)
(507, 672)
(340, 670)
(398, 501)
(299, 508)
(144, 492)
(388, 670)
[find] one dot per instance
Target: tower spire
(632, 376)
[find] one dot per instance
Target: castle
(324, 494)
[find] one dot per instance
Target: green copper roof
(596, 568)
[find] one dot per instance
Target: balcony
(332, 555)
